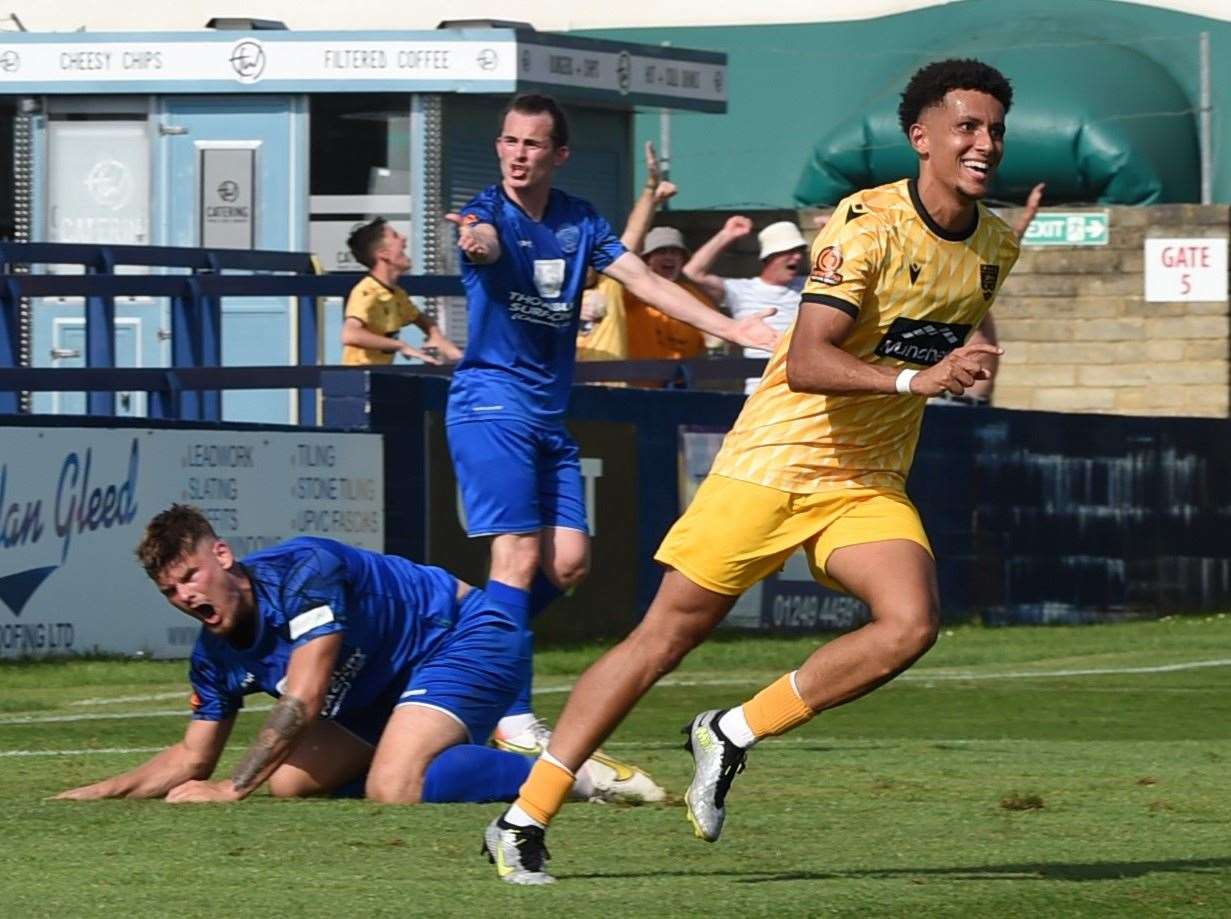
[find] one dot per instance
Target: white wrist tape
(902, 383)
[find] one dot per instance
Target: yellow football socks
(544, 790)
(775, 709)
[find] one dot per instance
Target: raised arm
(655, 191)
(816, 362)
(697, 269)
(194, 757)
(749, 332)
(1033, 200)
(307, 680)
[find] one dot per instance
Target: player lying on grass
(818, 460)
(381, 668)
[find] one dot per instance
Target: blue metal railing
(190, 388)
(196, 315)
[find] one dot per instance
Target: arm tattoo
(286, 719)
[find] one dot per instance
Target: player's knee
(394, 789)
(287, 784)
(911, 636)
(666, 644)
(567, 573)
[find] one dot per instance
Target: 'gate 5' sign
(1186, 270)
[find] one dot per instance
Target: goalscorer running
(818, 459)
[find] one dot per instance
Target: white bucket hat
(663, 238)
(782, 236)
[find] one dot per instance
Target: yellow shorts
(736, 533)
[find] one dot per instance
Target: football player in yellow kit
(818, 459)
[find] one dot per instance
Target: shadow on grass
(1037, 871)
(1025, 871)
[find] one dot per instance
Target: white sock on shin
(735, 726)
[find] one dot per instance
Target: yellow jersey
(915, 291)
(606, 339)
(382, 310)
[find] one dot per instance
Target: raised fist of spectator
(737, 226)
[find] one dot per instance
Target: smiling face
(960, 142)
(528, 157)
(206, 585)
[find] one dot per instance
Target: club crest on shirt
(569, 238)
(825, 268)
(549, 277)
(988, 275)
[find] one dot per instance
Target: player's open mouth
(978, 168)
(207, 614)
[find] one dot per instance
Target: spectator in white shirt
(784, 263)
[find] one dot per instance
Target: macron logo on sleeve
(307, 621)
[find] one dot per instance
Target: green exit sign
(1087, 228)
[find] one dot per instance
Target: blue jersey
(523, 307)
(391, 612)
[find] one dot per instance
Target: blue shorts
(476, 672)
(517, 477)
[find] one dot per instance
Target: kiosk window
(360, 168)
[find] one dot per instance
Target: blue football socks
(469, 773)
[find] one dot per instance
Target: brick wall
(1077, 332)
(1079, 336)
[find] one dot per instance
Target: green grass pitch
(1013, 772)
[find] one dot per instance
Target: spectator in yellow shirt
(617, 326)
(377, 307)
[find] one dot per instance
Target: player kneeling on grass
(380, 667)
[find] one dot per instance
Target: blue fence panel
(195, 308)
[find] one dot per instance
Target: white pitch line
(149, 697)
(80, 752)
(836, 743)
(926, 676)
(918, 676)
(113, 716)
(923, 675)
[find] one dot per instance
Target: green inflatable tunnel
(1096, 122)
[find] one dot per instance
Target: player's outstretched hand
(753, 331)
(197, 792)
(956, 372)
(477, 248)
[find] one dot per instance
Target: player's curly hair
(930, 83)
(364, 240)
(171, 535)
